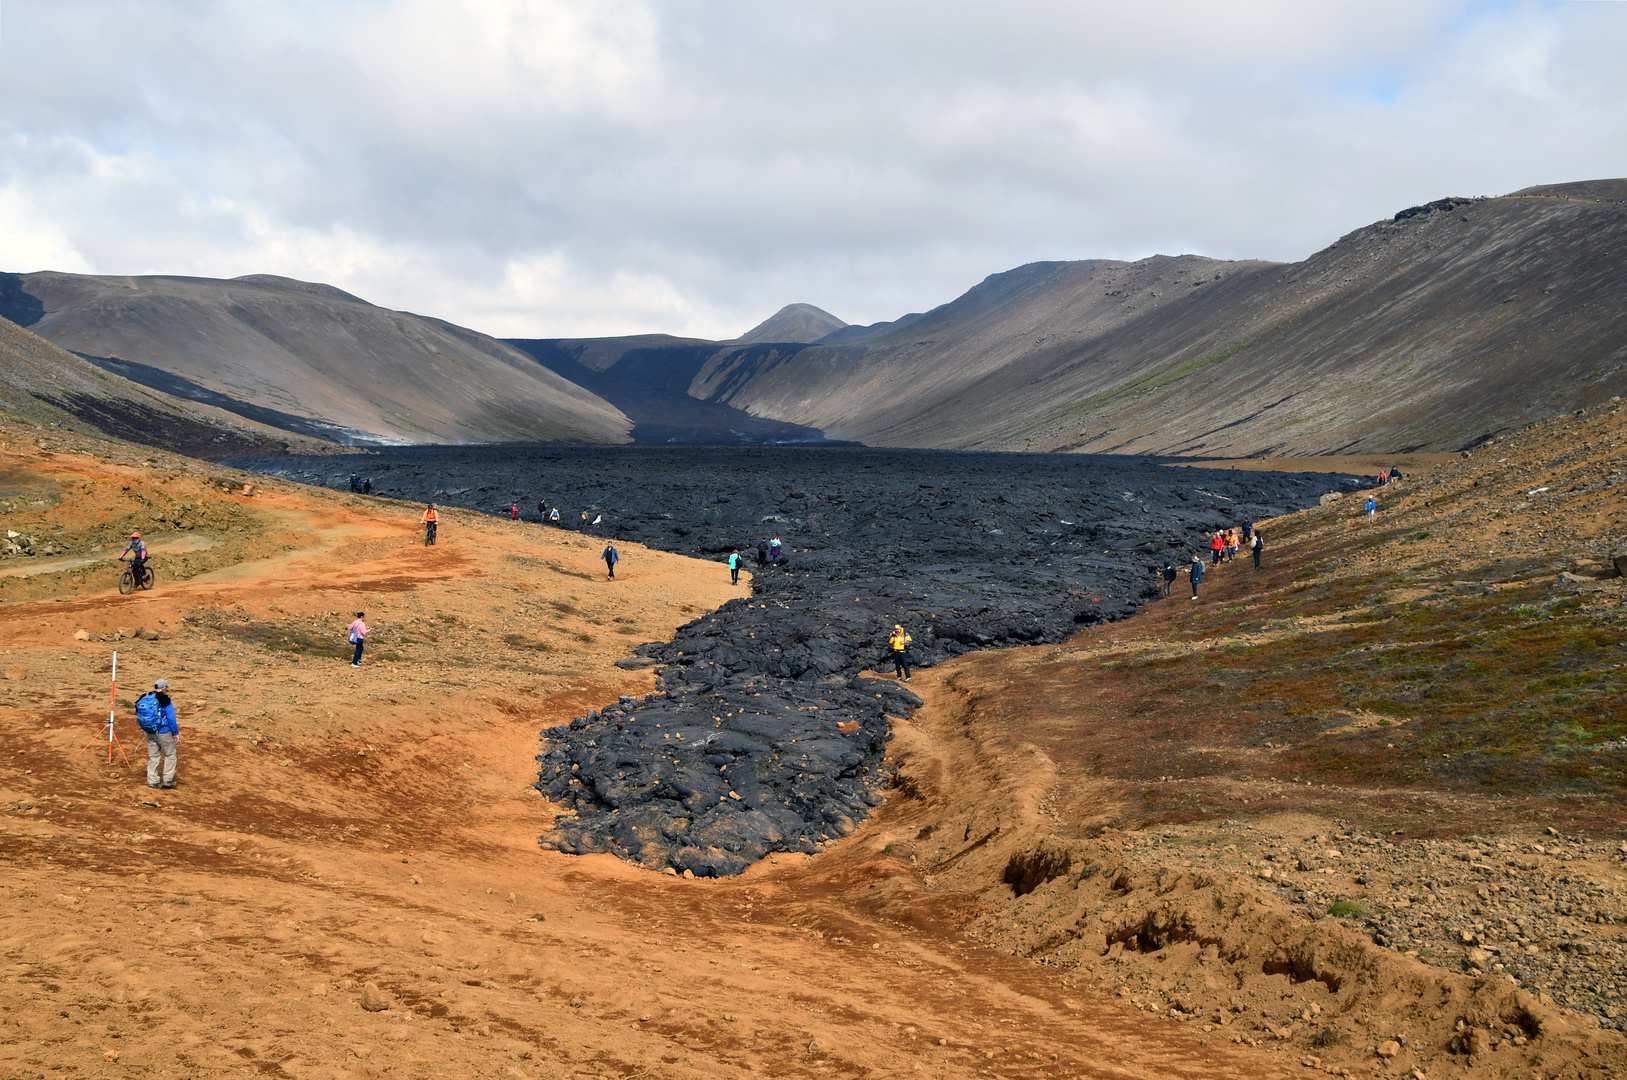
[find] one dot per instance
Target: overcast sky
(553, 167)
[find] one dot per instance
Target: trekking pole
(112, 707)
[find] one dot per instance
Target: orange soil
(337, 830)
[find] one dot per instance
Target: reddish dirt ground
(347, 881)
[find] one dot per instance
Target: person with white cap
(155, 715)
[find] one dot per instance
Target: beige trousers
(160, 746)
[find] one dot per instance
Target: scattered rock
(1388, 1049)
(81, 635)
(373, 999)
(147, 633)
(16, 674)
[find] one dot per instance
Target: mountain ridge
(311, 350)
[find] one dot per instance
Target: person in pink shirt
(358, 635)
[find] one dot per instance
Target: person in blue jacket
(155, 715)
(1196, 571)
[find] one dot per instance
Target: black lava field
(763, 737)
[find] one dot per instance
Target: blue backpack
(149, 716)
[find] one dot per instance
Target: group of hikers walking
(1224, 545)
(769, 553)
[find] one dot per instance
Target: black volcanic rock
(764, 735)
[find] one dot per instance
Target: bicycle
(429, 534)
(127, 580)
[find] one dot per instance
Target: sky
(547, 168)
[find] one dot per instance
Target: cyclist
(138, 557)
(430, 519)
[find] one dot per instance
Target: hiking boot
(168, 785)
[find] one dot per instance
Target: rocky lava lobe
(765, 736)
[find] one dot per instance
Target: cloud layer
(565, 167)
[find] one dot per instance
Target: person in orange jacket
(430, 519)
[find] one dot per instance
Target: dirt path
(337, 830)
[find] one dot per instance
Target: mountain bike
(127, 580)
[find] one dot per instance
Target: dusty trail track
(338, 828)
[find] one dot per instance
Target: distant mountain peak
(793, 322)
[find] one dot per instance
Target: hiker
(762, 552)
(155, 715)
(367, 487)
(1169, 578)
(899, 643)
(1233, 544)
(734, 567)
(1395, 474)
(542, 510)
(1371, 507)
(1248, 530)
(514, 512)
(611, 557)
(358, 637)
(1255, 545)
(137, 550)
(430, 519)
(553, 516)
(1195, 571)
(1217, 544)
(583, 525)
(355, 484)
(774, 551)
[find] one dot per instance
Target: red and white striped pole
(112, 709)
(112, 705)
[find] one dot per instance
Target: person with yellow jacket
(430, 519)
(899, 643)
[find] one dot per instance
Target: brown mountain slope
(45, 385)
(793, 322)
(1451, 322)
(313, 351)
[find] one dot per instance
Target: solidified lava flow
(761, 737)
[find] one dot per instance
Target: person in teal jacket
(734, 567)
(1196, 571)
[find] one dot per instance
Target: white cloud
(542, 167)
(30, 240)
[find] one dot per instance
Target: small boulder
(1388, 1049)
(81, 635)
(147, 633)
(374, 999)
